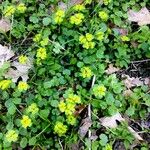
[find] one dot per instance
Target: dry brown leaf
(5, 25)
(110, 122)
(84, 128)
(65, 6)
(122, 31)
(130, 82)
(142, 17)
(5, 54)
(21, 71)
(111, 69)
(127, 93)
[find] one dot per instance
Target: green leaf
(17, 100)
(10, 126)
(12, 109)
(54, 103)
(23, 142)
(46, 21)
(44, 113)
(32, 141)
(130, 111)
(103, 139)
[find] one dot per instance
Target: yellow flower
(21, 8)
(41, 53)
(60, 128)
(89, 37)
(37, 38)
(99, 91)
(86, 72)
(60, 13)
(33, 108)
(125, 38)
(11, 136)
(100, 35)
(59, 16)
(106, 2)
(62, 106)
(44, 42)
(22, 86)
(26, 121)
(103, 15)
(70, 109)
(77, 19)
(4, 84)
(79, 7)
(10, 10)
(72, 98)
(108, 147)
(87, 41)
(23, 59)
(71, 120)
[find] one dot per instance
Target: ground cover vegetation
(66, 80)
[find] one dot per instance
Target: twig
(60, 145)
(89, 111)
(140, 61)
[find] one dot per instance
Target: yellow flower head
(99, 91)
(33, 108)
(62, 106)
(59, 16)
(10, 10)
(22, 86)
(41, 53)
(71, 120)
(108, 147)
(125, 38)
(88, 1)
(100, 35)
(106, 2)
(86, 72)
(70, 109)
(103, 15)
(21, 8)
(26, 121)
(44, 42)
(11, 136)
(23, 59)
(87, 41)
(37, 38)
(60, 13)
(77, 19)
(72, 98)
(4, 84)
(60, 128)
(89, 37)
(79, 7)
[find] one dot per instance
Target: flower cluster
(100, 35)
(60, 128)
(106, 2)
(68, 107)
(41, 53)
(26, 121)
(4, 84)
(23, 59)
(10, 10)
(103, 15)
(77, 19)
(33, 109)
(125, 38)
(86, 72)
(86, 41)
(59, 16)
(79, 7)
(99, 91)
(22, 86)
(11, 136)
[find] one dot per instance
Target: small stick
(89, 110)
